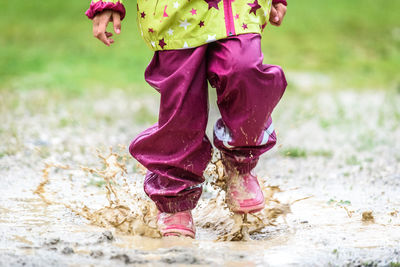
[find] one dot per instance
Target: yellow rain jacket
(180, 24)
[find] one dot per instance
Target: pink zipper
(230, 26)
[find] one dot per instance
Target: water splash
(128, 210)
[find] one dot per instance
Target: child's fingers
(95, 26)
(101, 30)
(108, 35)
(281, 9)
(273, 16)
(275, 24)
(277, 14)
(100, 22)
(117, 22)
(102, 37)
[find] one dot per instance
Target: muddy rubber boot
(244, 194)
(176, 224)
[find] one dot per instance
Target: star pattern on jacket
(184, 24)
(211, 38)
(162, 43)
(193, 11)
(254, 6)
(263, 26)
(213, 3)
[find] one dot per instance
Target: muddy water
(89, 210)
(65, 221)
(129, 211)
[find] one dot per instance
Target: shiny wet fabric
(176, 150)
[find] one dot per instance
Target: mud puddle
(115, 222)
(129, 211)
(338, 205)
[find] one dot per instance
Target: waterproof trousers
(176, 150)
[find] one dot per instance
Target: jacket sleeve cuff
(99, 6)
(279, 1)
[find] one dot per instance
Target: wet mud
(129, 211)
(333, 199)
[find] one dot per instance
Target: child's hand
(277, 13)
(100, 22)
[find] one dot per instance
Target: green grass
(352, 160)
(297, 152)
(322, 153)
(294, 152)
(339, 203)
(357, 42)
(49, 45)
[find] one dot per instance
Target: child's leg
(176, 149)
(248, 91)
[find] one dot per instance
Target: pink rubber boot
(244, 194)
(176, 224)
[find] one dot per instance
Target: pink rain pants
(176, 150)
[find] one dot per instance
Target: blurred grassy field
(49, 45)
